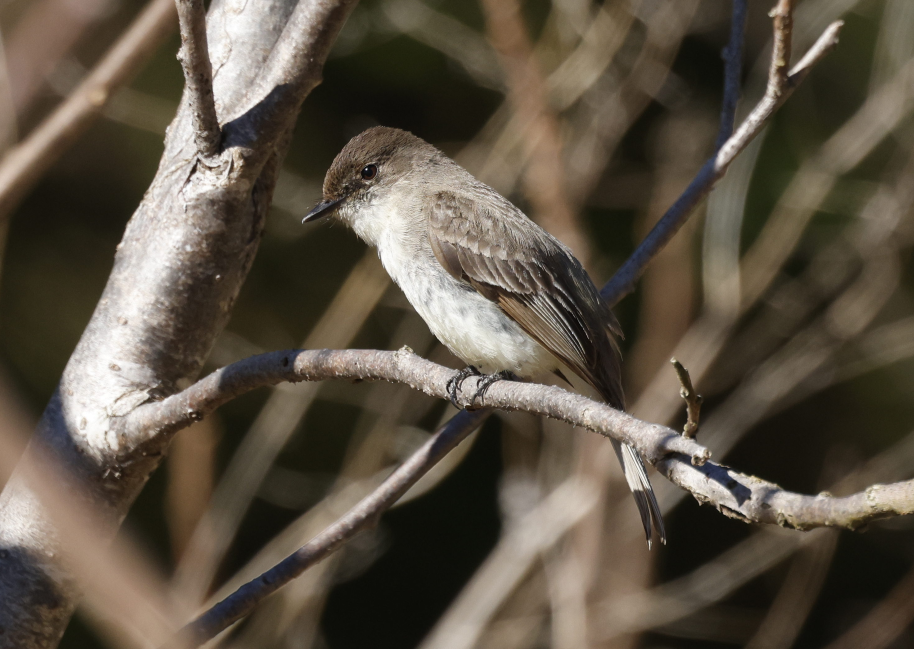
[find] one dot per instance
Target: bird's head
(367, 167)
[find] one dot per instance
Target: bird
(501, 293)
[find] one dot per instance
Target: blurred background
(788, 296)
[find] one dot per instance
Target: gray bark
(183, 258)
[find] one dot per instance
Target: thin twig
(198, 76)
(26, 163)
(691, 397)
(363, 515)
(733, 67)
(779, 88)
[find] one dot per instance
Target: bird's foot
(457, 380)
(487, 382)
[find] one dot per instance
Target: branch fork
(198, 77)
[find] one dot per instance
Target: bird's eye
(369, 172)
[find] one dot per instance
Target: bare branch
(733, 65)
(198, 76)
(292, 71)
(693, 399)
(680, 459)
(360, 517)
(779, 89)
(26, 163)
(178, 270)
(752, 499)
(403, 366)
(780, 86)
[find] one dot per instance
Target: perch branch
(780, 86)
(680, 459)
(198, 76)
(181, 409)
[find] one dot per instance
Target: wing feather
(538, 283)
(533, 278)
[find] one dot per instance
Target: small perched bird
(501, 293)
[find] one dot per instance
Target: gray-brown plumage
(499, 291)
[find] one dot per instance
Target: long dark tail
(640, 484)
(633, 469)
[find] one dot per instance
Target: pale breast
(472, 327)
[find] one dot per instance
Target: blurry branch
(198, 75)
(363, 515)
(42, 37)
(797, 595)
(888, 620)
(539, 127)
(780, 87)
(880, 114)
(25, 163)
(709, 583)
(496, 154)
(191, 474)
(449, 36)
(508, 563)
(267, 436)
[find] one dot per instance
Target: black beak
(324, 208)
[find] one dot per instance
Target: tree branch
(780, 86)
(292, 71)
(21, 168)
(403, 366)
(363, 516)
(198, 76)
(680, 459)
(178, 270)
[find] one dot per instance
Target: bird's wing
(533, 278)
(538, 283)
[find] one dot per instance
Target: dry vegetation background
(788, 297)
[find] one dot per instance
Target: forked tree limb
(780, 86)
(177, 272)
(198, 76)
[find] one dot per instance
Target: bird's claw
(483, 386)
(457, 380)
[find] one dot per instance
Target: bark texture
(177, 272)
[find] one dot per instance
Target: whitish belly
(472, 327)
